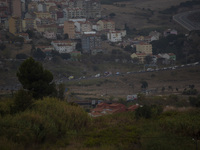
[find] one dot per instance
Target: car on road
(97, 75)
(70, 77)
(117, 73)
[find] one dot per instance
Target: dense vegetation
(52, 124)
(186, 48)
(45, 121)
(42, 122)
(36, 79)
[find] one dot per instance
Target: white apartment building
(114, 36)
(64, 46)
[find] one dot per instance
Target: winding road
(189, 24)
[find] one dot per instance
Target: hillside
(119, 86)
(51, 124)
(144, 14)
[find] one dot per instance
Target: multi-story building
(144, 48)
(91, 43)
(14, 25)
(43, 15)
(47, 28)
(139, 56)
(3, 12)
(106, 25)
(92, 8)
(49, 35)
(32, 7)
(82, 9)
(114, 36)
(70, 13)
(96, 27)
(42, 7)
(64, 46)
(17, 8)
(44, 21)
(69, 28)
(75, 3)
(60, 17)
(154, 35)
(9, 5)
(28, 23)
(85, 26)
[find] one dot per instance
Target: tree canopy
(36, 79)
(38, 54)
(144, 84)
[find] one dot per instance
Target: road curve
(183, 20)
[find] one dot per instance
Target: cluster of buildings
(144, 48)
(78, 19)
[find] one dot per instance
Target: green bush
(190, 92)
(181, 123)
(195, 101)
(144, 111)
(67, 117)
(123, 137)
(22, 100)
(48, 120)
(173, 97)
(5, 106)
(148, 111)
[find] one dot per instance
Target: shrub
(123, 137)
(182, 123)
(49, 120)
(148, 111)
(190, 92)
(195, 101)
(67, 117)
(22, 100)
(144, 112)
(173, 97)
(5, 106)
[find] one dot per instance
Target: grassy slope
(121, 86)
(171, 130)
(137, 14)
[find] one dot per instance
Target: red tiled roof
(104, 108)
(23, 34)
(133, 107)
(171, 54)
(102, 104)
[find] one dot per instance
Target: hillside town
(75, 22)
(99, 74)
